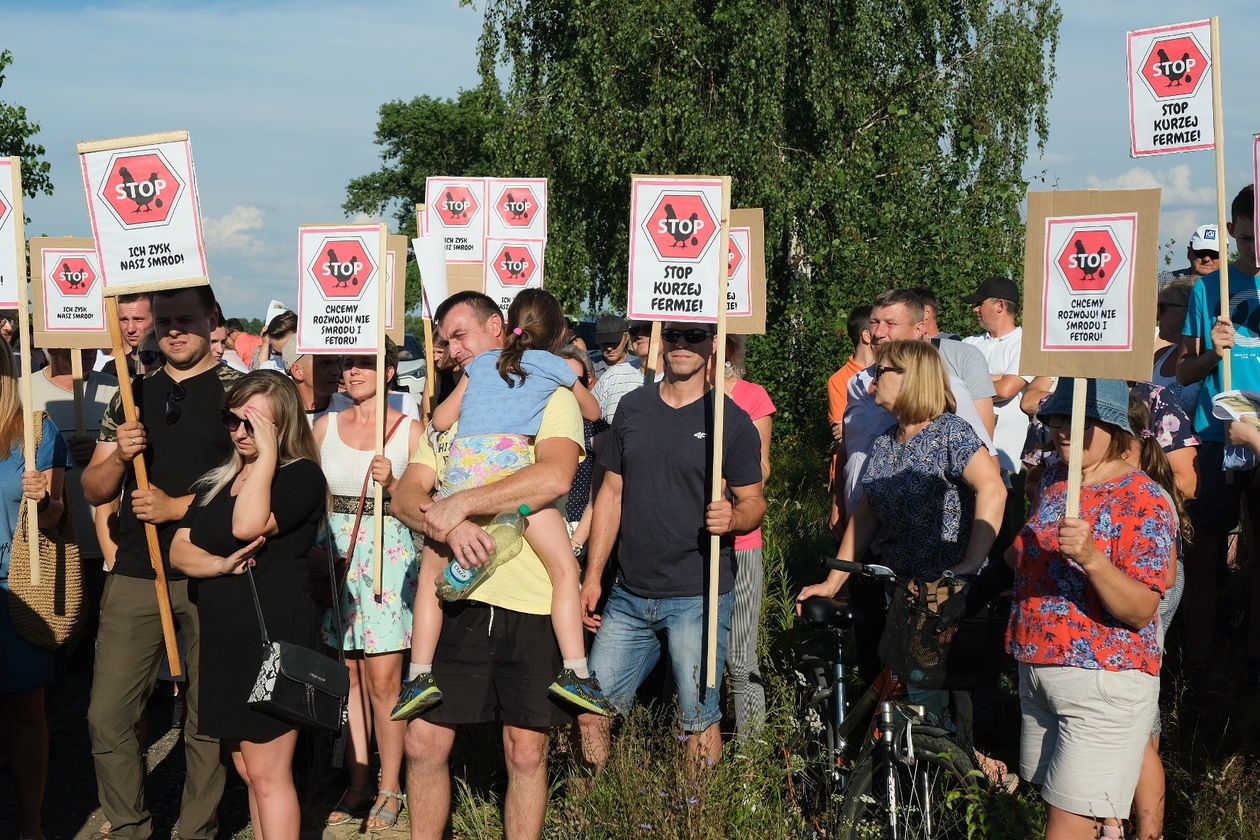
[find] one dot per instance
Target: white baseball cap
(1204, 239)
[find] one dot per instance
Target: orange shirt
(246, 344)
(838, 390)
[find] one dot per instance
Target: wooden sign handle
(142, 482)
(382, 408)
(652, 361)
(1072, 509)
(24, 363)
(1222, 235)
(712, 666)
(77, 385)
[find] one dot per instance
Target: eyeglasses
(151, 358)
(7, 319)
(1206, 255)
(880, 371)
(691, 336)
(173, 403)
(233, 423)
(1059, 422)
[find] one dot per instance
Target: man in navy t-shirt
(658, 457)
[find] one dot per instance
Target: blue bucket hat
(1106, 400)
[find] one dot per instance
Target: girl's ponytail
(534, 322)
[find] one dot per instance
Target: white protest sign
(340, 274)
(142, 203)
(675, 259)
(1088, 297)
(518, 208)
(1170, 88)
(69, 303)
(739, 273)
(12, 253)
(431, 260)
(273, 309)
(512, 265)
(455, 211)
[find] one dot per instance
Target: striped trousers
(747, 692)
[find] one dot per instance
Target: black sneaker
(417, 695)
(583, 692)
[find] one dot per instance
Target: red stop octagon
(1174, 67)
(74, 276)
(1090, 259)
(4, 209)
(456, 206)
(517, 206)
(342, 267)
(735, 257)
(514, 265)
(141, 189)
(681, 227)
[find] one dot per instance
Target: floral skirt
(371, 623)
(478, 460)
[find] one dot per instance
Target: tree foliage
(885, 142)
(16, 131)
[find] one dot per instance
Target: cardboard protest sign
(512, 265)
(142, 203)
(12, 253)
(1171, 88)
(676, 259)
(341, 270)
(748, 318)
(1090, 284)
(518, 208)
(455, 209)
(395, 285)
(69, 304)
(431, 260)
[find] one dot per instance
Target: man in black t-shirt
(658, 456)
(181, 436)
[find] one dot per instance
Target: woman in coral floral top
(1083, 625)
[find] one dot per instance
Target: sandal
(389, 817)
(342, 813)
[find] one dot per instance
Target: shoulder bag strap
(262, 625)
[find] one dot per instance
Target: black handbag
(299, 685)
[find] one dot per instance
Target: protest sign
(512, 265)
(431, 261)
(1171, 70)
(456, 211)
(395, 285)
(12, 254)
(1089, 284)
(747, 292)
(518, 208)
(676, 259)
(340, 278)
(142, 203)
(274, 308)
(69, 307)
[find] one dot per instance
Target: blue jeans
(628, 645)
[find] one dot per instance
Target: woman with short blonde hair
(925, 391)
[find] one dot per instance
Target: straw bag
(48, 614)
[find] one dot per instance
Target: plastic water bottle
(507, 530)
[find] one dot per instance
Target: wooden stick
(1077, 442)
(719, 428)
(142, 482)
(1222, 236)
(76, 384)
(24, 372)
(654, 355)
(378, 432)
(430, 375)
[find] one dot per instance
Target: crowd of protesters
(950, 467)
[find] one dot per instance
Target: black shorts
(1216, 507)
(494, 664)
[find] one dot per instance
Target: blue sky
(281, 118)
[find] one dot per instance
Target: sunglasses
(233, 423)
(174, 403)
(1058, 422)
(880, 371)
(151, 358)
(692, 336)
(1206, 255)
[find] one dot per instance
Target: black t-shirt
(179, 452)
(664, 456)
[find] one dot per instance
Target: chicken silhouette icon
(1175, 76)
(1088, 272)
(142, 198)
(345, 273)
(680, 239)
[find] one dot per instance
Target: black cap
(609, 328)
(1002, 288)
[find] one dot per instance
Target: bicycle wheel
(812, 770)
(927, 794)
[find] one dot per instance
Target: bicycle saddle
(830, 612)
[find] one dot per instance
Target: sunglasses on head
(233, 422)
(691, 336)
(174, 403)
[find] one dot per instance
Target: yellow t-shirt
(521, 584)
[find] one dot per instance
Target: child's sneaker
(581, 691)
(417, 696)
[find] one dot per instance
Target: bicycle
(892, 773)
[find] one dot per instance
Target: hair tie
(1147, 434)
(517, 331)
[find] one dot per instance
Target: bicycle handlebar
(871, 570)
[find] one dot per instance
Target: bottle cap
(523, 510)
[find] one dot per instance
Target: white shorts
(1083, 733)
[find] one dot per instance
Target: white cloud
(235, 231)
(366, 219)
(1175, 183)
